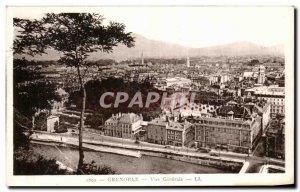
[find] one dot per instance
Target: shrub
(39, 166)
(93, 169)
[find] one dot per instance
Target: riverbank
(228, 164)
(68, 155)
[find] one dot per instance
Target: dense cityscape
(236, 116)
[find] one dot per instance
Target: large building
(206, 80)
(263, 109)
(201, 80)
(211, 97)
(166, 131)
(272, 94)
(123, 125)
(234, 128)
(180, 134)
(223, 78)
(178, 82)
(156, 131)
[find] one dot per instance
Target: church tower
(142, 57)
(188, 64)
(261, 75)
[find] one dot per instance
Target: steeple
(188, 62)
(261, 75)
(142, 57)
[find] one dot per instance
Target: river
(121, 164)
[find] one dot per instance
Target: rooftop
(268, 90)
(128, 118)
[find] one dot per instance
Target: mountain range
(159, 49)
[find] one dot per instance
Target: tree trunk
(81, 124)
(32, 122)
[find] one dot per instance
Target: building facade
(52, 123)
(234, 135)
(235, 128)
(123, 125)
(275, 96)
(180, 134)
(157, 131)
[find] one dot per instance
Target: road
(254, 161)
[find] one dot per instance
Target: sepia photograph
(150, 96)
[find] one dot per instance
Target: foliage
(41, 121)
(95, 120)
(253, 62)
(31, 98)
(95, 88)
(56, 126)
(22, 75)
(39, 166)
(93, 169)
(26, 162)
(102, 62)
(19, 138)
(21, 119)
(74, 36)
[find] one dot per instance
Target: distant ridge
(160, 49)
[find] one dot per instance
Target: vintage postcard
(150, 96)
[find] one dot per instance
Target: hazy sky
(195, 26)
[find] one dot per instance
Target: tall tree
(31, 99)
(75, 36)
